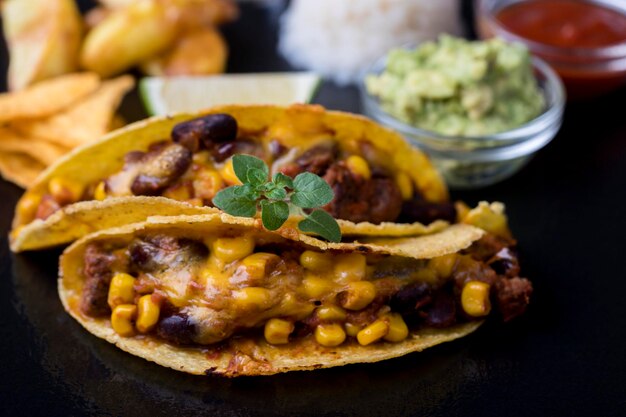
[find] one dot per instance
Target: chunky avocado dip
(459, 87)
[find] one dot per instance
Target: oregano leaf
(311, 191)
(250, 169)
(274, 214)
(282, 180)
(235, 201)
(276, 194)
(323, 224)
(257, 176)
(276, 203)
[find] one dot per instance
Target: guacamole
(459, 87)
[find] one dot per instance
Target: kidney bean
(505, 263)
(442, 311)
(411, 298)
(177, 329)
(161, 169)
(222, 151)
(205, 131)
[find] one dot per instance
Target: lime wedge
(166, 95)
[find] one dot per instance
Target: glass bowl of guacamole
(479, 109)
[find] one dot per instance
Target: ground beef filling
(374, 200)
(199, 293)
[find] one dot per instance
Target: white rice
(339, 38)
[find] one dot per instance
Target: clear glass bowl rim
(554, 91)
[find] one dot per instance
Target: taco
(382, 185)
(215, 294)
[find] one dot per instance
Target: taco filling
(195, 162)
(193, 292)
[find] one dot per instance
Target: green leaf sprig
(278, 197)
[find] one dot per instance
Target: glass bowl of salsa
(583, 40)
(473, 161)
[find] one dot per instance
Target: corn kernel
(147, 313)
(358, 295)
(121, 290)
(352, 329)
(405, 185)
(315, 287)
(443, 265)
(201, 158)
(277, 331)
(329, 335)
(229, 249)
(207, 183)
(350, 267)
(257, 264)
(100, 193)
(122, 319)
(330, 313)
(293, 307)
(475, 299)
(27, 206)
(398, 330)
(316, 261)
(179, 192)
(375, 331)
(228, 173)
(253, 297)
(64, 191)
(359, 166)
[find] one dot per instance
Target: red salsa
(571, 35)
(565, 23)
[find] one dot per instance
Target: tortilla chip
(43, 39)
(47, 97)
(43, 151)
(84, 122)
(19, 168)
(232, 359)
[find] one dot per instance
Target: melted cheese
(236, 288)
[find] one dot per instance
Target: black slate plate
(565, 357)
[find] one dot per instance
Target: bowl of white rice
(338, 39)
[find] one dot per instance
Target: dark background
(566, 356)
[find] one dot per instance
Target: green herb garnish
(278, 198)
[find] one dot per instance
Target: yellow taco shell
(298, 126)
(248, 355)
